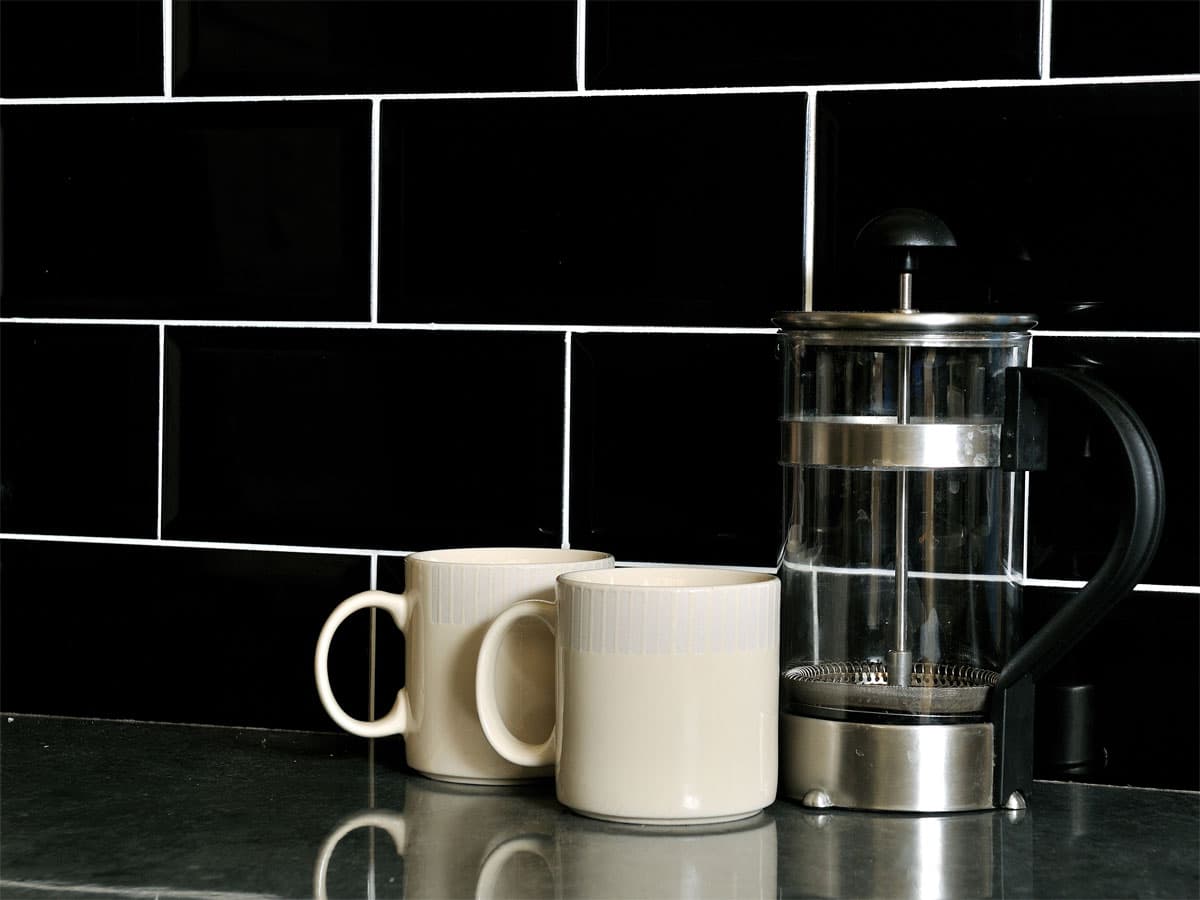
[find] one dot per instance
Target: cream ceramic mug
(450, 598)
(666, 693)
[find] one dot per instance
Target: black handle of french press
(1023, 447)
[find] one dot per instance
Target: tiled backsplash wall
(326, 283)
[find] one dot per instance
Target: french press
(907, 684)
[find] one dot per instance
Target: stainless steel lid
(905, 322)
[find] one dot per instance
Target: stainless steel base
(894, 768)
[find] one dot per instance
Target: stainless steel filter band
(879, 442)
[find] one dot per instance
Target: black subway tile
(196, 210)
(1139, 736)
(1073, 506)
(391, 439)
(373, 46)
(634, 210)
(81, 48)
(1124, 37)
(178, 635)
(718, 43)
(675, 442)
(79, 429)
(1078, 203)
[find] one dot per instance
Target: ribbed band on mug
(609, 620)
(466, 594)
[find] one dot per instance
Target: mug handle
(489, 872)
(391, 822)
(502, 740)
(396, 721)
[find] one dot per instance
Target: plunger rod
(899, 663)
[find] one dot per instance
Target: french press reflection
(906, 436)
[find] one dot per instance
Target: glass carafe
(891, 438)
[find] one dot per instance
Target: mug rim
(667, 578)
(508, 556)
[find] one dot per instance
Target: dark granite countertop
(119, 809)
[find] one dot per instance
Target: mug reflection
(441, 836)
(450, 840)
(588, 858)
(463, 841)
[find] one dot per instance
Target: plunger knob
(900, 235)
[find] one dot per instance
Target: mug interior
(508, 556)
(665, 577)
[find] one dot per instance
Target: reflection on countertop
(141, 810)
(460, 841)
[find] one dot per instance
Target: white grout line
(1147, 588)
(198, 545)
(810, 196)
(375, 554)
(859, 571)
(580, 44)
(1047, 12)
(162, 355)
(1023, 582)
(557, 328)
(566, 460)
(1145, 335)
(399, 326)
(636, 564)
(375, 143)
(615, 92)
(168, 47)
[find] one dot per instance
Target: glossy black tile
(403, 440)
(238, 210)
(674, 448)
(1138, 735)
(373, 46)
(81, 48)
(390, 574)
(78, 430)
(1073, 507)
(650, 210)
(176, 635)
(1078, 203)
(1124, 37)
(706, 43)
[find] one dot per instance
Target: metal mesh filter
(936, 689)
